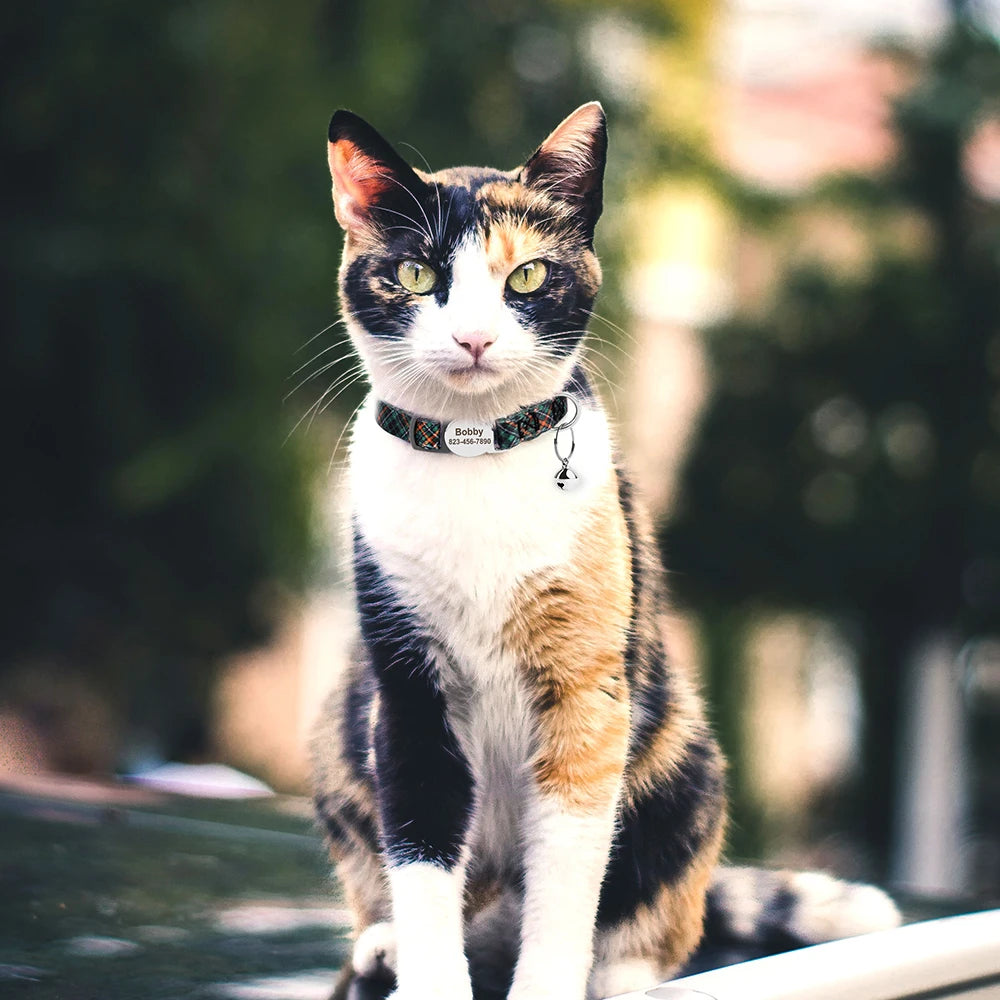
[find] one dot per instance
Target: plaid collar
(469, 437)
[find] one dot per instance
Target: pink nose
(474, 343)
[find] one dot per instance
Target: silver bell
(567, 479)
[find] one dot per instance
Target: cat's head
(468, 291)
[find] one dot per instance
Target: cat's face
(467, 291)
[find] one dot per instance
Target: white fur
(738, 897)
(627, 976)
(374, 951)
(427, 917)
(827, 908)
(475, 304)
(566, 858)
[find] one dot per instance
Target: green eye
(528, 277)
(416, 276)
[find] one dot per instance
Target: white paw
(433, 991)
(375, 952)
(435, 982)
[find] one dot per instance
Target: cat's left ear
(570, 163)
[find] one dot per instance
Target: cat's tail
(752, 912)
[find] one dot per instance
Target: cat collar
(472, 437)
(477, 437)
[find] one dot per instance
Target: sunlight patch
(22, 973)
(100, 947)
(312, 985)
(157, 934)
(265, 919)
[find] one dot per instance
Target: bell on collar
(567, 479)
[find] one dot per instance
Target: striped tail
(753, 912)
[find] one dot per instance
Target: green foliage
(156, 283)
(849, 461)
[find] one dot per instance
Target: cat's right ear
(366, 171)
(570, 163)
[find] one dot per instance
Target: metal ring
(576, 412)
(572, 441)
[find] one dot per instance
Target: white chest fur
(457, 537)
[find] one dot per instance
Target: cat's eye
(416, 276)
(528, 277)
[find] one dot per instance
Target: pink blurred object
(209, 781)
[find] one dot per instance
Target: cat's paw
(436, 982)
(374, 954)
(434, 991)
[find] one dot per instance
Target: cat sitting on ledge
(518, 785)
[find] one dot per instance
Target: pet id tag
(469, 438)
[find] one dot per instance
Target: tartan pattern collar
(426, 434)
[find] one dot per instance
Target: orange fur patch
(509, 245)
(569, 633)
(357, 182)
(512, 240)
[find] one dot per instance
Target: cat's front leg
(569, 825)
(424, 789)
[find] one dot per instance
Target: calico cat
(513, 770)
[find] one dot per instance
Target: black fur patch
(650, 706)
(559, 315)
(770, 933)
(367, 288)
(579, 385)
(657, 838)
(423, 782)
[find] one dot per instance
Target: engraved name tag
(468, 438)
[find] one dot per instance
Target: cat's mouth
(475, 368)
(475, 374)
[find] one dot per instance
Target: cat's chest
(459, 536)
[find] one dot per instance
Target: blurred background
(800, 342)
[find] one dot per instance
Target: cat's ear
(367, 172)
(570, 163)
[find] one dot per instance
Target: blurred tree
(167, 245)
(155, 276)
(849, 461)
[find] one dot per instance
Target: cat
(512, 774)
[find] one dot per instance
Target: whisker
(316, 357)
(319, 371)
(437, 190)
(614, 326)
(416, 202)
(322, 409)
(343, 430)
(315, 335)
(351, 376)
